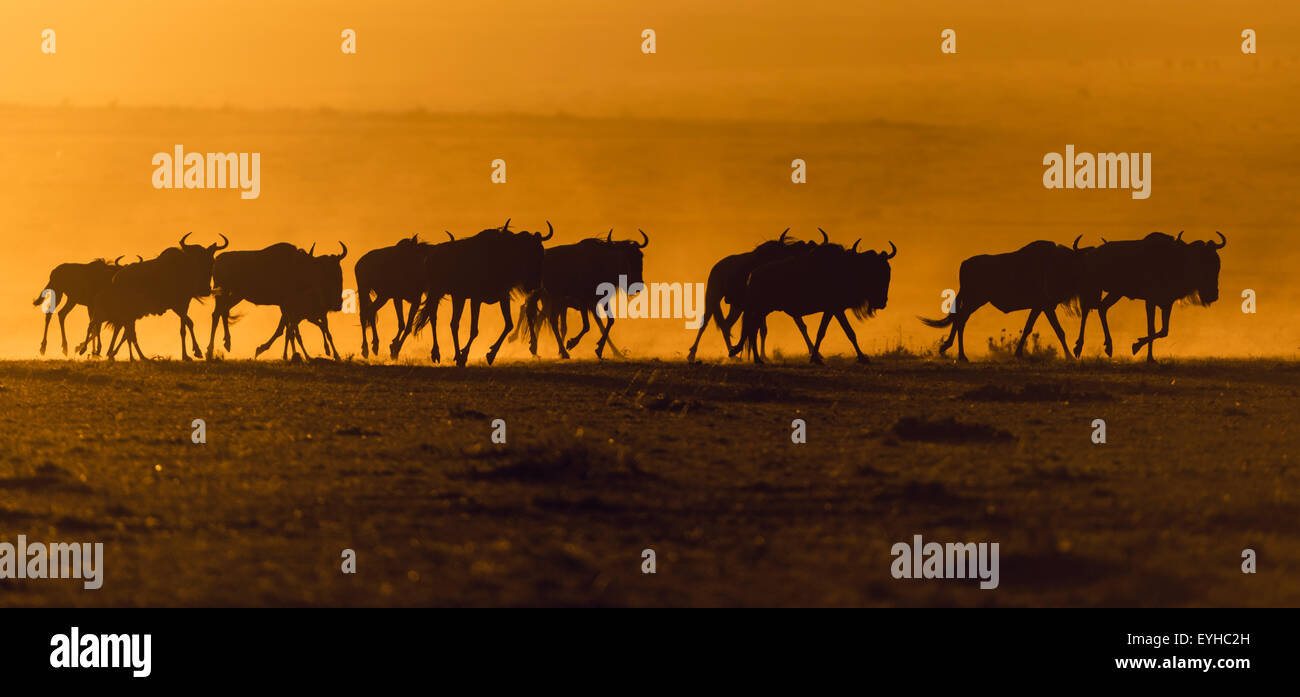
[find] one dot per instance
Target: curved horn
(119, 258)
(549, 234)
(183, 238)
(646, 237)
(1179, 238)
(893, 253)
(825, 237)
(312, 252)
(781, 239)
(1076, 242)
(854, 248)
(451, 236)
(610, 236)
(506, 227)
(345, 250)
(225, 241)
(1219, 245)
(1105, 241)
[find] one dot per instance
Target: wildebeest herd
(798, 278)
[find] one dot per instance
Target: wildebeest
(392, 273)
(828, 279)
(486, 268)
(302, 285)
(319, 293)
(1036, 277)
(728, 279)
(571, 278)
(80, 284)
(154, 286)
(1157, 269)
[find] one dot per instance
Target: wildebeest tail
(528, 317)
(939, 323)
(40, 297)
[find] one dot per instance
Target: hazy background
(941, 154)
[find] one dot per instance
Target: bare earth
(694, 461)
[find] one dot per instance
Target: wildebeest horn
(1105, 241)
(1180, 236)
(312, 252)
(854, 248)
(225, 241)
(453, 237)
(646, 243)
(894, 251)
(549, 234)
(139, 257)
(781, 239)
(183, 238)
(610, 236)
(825, 237)
(1219, 245)
(1076, 242)
(119, 258)
(506, 227)
(345, 250)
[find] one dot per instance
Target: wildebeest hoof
(963, 359)
(571, 343)
(862, 358)
(564, 354)
(186, 357)
(1109, 351)
(735, 351)
(1137, 346)
(816, 359)
(42, 349)
(491, 356)
(297, 358)
(1078, 349)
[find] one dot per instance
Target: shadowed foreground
(696, 462)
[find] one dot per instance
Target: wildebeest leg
(135, 341)
(554, 320)
(853, 337)
(112, 343)
(1102, 309)
(604, 334)
(278, 330)
(434, 354)
(462, 357)
(63, 314)
(1150, 339)
(401, 327)
(1056, 327)
(395, 348)
(813, 357)
(1029, 326)
(220, 308)
(733, 315)
(457, 307)
(46, 334)
(821, 332)
(572, 343)
(297, 336)
(509, 324)
(712, 310)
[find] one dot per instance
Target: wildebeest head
(873, 268)
(523, 258)
(1200, 267)
(327, 273)
(627, 257)
(198, 263)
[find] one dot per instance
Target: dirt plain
(606, 459)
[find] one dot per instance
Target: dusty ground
(694, 461)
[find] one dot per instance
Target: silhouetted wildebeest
(728, 279)
(571, 278)
(392, 273)
(154, 286)
(1037, 277)
(485, 268)
(80, 284)
(320, 293)
(828, 279)
(301, 284)
(1157, 269)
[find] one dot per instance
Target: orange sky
(940, 154)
